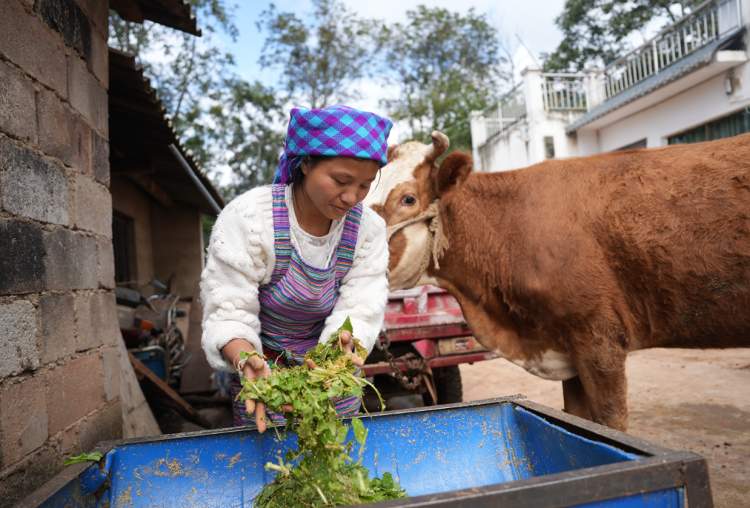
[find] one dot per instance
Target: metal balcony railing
(707, 23)
(510, 109)
(564, 92)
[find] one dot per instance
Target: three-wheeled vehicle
(424, 339)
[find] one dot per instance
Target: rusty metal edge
(574, 487)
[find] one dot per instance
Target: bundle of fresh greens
(321, 471)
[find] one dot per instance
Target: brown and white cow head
(405, 196)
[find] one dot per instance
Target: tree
(254, 145)
(445, 65)
(319, 56)
(596, 32)
(220, 117)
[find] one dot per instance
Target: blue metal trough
(502, 452)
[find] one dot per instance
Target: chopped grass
(321, 471)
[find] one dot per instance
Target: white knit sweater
(241, 258)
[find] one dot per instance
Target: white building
(691, 82)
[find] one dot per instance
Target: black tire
(447, 385)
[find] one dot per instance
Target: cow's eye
(408, 200)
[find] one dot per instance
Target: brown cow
(566, 266)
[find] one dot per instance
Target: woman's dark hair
(310, 161)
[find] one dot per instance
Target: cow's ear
(453, 171)
(391, 152)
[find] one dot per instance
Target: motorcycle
(149, 328)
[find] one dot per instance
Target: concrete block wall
(59, 342)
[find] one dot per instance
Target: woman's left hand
(346, 341)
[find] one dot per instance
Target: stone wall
(59, 361)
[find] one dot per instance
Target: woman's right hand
(255, 367)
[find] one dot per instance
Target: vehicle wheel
(394, 395)
(447, 384)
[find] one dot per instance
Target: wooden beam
(129, 10)
(128, 170)
(128, 104)
(188, 411)
(152, 189)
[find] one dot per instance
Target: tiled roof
(141, 133)
(172, 13)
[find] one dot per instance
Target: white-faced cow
(566, 266)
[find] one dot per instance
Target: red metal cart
(425, 338)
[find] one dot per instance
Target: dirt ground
(697, 400)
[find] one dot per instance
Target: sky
(529, 21)
(526, 27)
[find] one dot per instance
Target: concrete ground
(697, 400)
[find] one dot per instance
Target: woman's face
(336, 184)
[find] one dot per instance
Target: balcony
(564, 92)
(510, 109)
(707, 23)
(560, 93)
(701, 45)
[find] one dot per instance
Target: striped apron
(297, 300)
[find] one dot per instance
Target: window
(730, 125)
(633, 146)
(123, 243)
(549, 147)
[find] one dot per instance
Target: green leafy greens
(84, 457)
(321, 471)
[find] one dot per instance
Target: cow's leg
(602, 375)
(575, 398)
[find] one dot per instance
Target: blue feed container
(502, 452)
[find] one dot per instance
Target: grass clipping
(321, 471)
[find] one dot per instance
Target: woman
(287, 263)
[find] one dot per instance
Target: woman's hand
(254, 367)
(346, 342)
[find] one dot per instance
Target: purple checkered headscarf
(334, 131)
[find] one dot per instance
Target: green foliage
(320, 55)
(445, 65)
(347, 326)
(222, 119)
(360, 433)
(596, 32)
(84, 457)
(207, 224)
(251, 134)
(321, 471)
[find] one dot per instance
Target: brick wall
(59, 369)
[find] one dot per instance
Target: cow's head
(409, 184)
